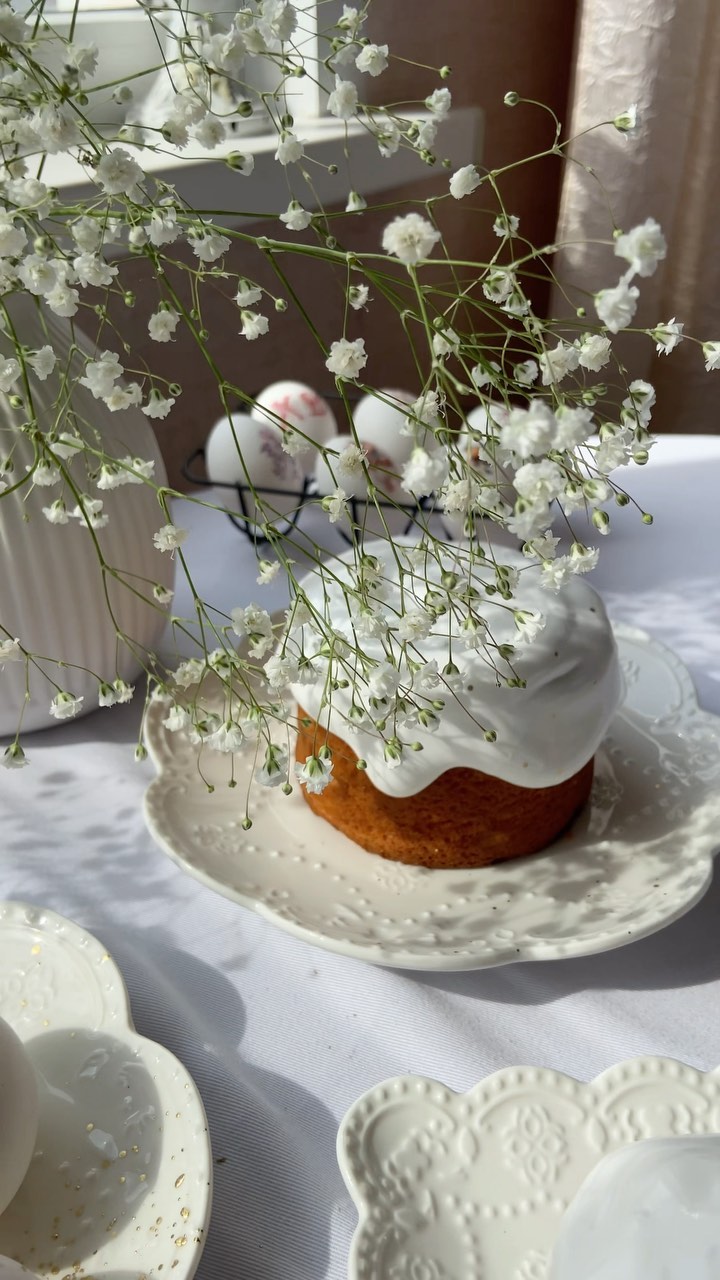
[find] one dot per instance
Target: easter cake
(508, 767)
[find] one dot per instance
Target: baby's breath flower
(555, 573)
(373, 58)
(10, 651)
(158, 406)
(643, 247)
(255, 625)
(177, 718)
(65, 706)
(269, 570)
(667, 336)
(410, 237)
(388, 135)
(506, 225)
(253, 325)
(556, 364)
(295, 217)
(627, 121)
(13, 238)
(169, 537)
(616, 307)
(583, 559)
(529, 624)
(335, 504)
(439, 102)
(162, 324)
(711, 352)
(209, 132)
(315, 774)
(425, 471)
(346, 358)
(526, 373)
(274, 770)
(445, 343)
(117, 173)
(464, 181)
(485, 375)
(57, 512)
(343, 100)
(355, 203)
(280, 670)
(358, 296)
(44, 475)
(248, 294)
(529, 432)
(9, 372)
(106, 695)
(137, 470)
(539, 481)
(163, 227)
(593, 351)
(289, 149)
(14, 757)
(42, 362)
(208, 246)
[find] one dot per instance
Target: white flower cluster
(542, 442)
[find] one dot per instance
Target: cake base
(463, 819)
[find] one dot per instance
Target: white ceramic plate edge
(661, 1074)
(118, 1016)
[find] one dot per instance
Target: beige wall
(492, 46)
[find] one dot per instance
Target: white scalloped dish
(473, 1186)
(638, 857)
(121, 1180)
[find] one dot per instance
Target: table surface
(281, 1036)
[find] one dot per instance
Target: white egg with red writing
(19, 1111)
(294, 407)
(380, 421)
(248, 453)
(396, 504)
(472, 448)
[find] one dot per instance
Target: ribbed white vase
(52, 592)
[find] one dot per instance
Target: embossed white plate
(120, 1183)
(639, 856)
(472, 1187)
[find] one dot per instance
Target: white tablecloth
(280, 1036)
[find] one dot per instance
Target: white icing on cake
(546, 732)
(650, 1211)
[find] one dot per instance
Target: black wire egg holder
(246, 522)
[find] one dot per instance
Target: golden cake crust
(464, 818)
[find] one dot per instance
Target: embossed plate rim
(34, 922)
(660, 1079)
(396, 954)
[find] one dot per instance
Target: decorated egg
(293, 406)
(379, 421)
(246, 451)
(330, 475)
(19, 1110)
(470, 446)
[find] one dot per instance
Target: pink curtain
(663, 55)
